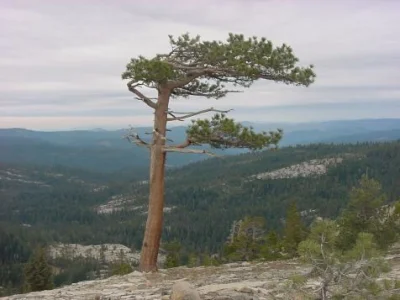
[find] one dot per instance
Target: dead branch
(171, 114)
(134, 137)
(132, 86)
(192, 114)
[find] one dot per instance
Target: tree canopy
(212, 69)
(238, 61)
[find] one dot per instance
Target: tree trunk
(154, 224)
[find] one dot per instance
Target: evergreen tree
(209, 260)
(246, 243)
(206, 69)
(272, 238)
(271, 249)
(38, 274)
(367, 212)
(294, 231)
(192, 260)
(121, 268)
(351, 274)
(173, 254)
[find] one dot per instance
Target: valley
(241, 150)
(80, 213)
(84, 149)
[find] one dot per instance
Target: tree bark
(154, 224)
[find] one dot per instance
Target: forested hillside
(209, 196)
(107, 151)
(43, 205)
(201, 197)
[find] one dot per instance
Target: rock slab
(183, 290)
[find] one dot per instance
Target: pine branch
(192, 114)
(221, 132)
(190, 91)
(184, 150)
(183, 92)
(193, 72)
(185, 80)
(225, 75)
(132, 86)
(231, 142)
(239, 61)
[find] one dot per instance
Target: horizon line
(97, 128)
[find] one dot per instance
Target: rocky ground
(313, 167)
(110, 252)
(238, 281)
(124, 202)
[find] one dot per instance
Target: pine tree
(272, 238)
(367, 212)
(192, 260)
(294, 231)
(335, 269)
(246, 243)
(209, 260)
(38, 274)
(121, 268)
(173, 254)
(209, 69)
(271, 249)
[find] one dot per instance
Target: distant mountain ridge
(107, 151)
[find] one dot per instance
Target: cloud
(62, 61)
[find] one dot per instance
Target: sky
(61, 61)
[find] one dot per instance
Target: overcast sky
(61, 61)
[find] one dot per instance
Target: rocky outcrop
(313, 167)
(117, 203)
(124, 202)
(17, 176)
(107, 252)
(240, 281)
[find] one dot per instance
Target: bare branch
(132, 86)
(193, 151)
(171, 114)
(134, 137)
(192, 114)
(183, 145)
